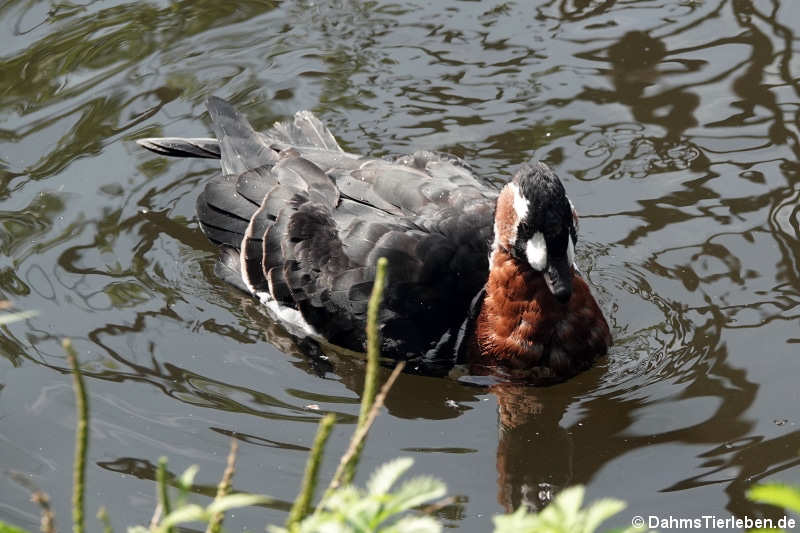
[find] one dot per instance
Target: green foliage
(376, 509)
(184, 512)
(102, 515)
(777, 494)
(185, 483)
(563, 515)
(161, 480)
(190, 512)
(7, 528)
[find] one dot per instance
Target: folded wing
(309, 221)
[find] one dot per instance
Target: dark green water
(674, 126)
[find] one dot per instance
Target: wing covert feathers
(302, 223)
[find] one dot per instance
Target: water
(674, 126)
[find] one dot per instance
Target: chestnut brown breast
(522, 326)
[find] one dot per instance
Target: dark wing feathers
(256, 183)
(228, 269)
(303, 174)
(215, 218)
(279, 287)
(399, 186)
(265, 216)
(413, 191)
(224, 215)
(274, 246)
(305, 221)
(252, 265)
(222, 196)
(252, 252)
(313, 255)
(223, 237)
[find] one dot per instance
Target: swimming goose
(476, 276)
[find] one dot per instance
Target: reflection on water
(673, 124)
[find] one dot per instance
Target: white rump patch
(536, 250)
(521, 204)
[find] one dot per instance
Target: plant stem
(356, 443)
(373, 356)
(302, 504)
(102, 515)
(48, 523)
(163, 495)
(224, 487)
(373, 340)
(81, 439)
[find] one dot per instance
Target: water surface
(674, 126)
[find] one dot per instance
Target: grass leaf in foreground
(8, 528)
(777, 494)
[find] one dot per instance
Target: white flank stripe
(290, 318)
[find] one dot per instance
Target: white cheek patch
(536, 250)
(521, 205)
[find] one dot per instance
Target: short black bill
(558, 276)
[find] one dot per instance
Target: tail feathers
(241, 147)
(305, 130)
(180, 147)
